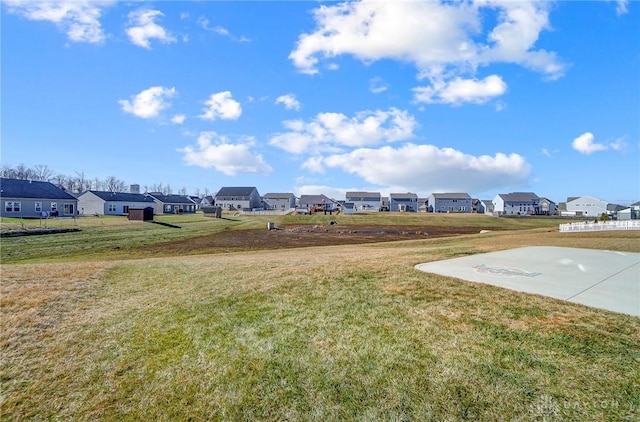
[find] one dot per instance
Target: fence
(268, 212)
(600, 226)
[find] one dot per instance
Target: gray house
(403, 202)
(449, 202)
(516, 203)
(364, 201)
(238, 198)
(32, 199)
(310, 203)
(279, 201)
(548, 207)
(93, 202)
(173, 204)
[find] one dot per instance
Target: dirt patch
(302, 236)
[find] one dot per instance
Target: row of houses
(24, 198)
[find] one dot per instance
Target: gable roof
(17, 188)
(314, 199)
(236, 191)
(172, 199)
(407, 195)
(375, 195)
(120, 196)
(518, 196)
(451, 195)
(272, 195)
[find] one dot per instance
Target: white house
(94, 202)
(238, 198)
(586, 206)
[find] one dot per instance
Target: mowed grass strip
(331, 333)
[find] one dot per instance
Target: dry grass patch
(327, 333)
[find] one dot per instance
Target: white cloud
(331, 131)
(421, 168)
(148, 103)
(585, 144)
(459, 91)
(289, 101)
(79, 19)
(445, 40)
(622, 7)
(377, 85)
(216, 151)
(221, 106)
(178, 119)
(143, 28)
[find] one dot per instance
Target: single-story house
(365, 201)
(35, 199)
(403, 202)
(631, 213)
(173, 204)
(516, 203)
(279, 201)
(93, 202)
(450, 202)
(238, 198)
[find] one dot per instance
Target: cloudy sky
(482, 96)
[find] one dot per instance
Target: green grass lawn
(329, 334)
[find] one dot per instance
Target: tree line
(80, 182)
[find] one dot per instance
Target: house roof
(375, 195)
(172, 199)
(451, 195)
(278, 195)
(314, 199)
(518, 196)
(16, 188)
(581, 198)
(546, 199)
(120, 196)
(236, 191)
(403, 196)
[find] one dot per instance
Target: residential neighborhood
(38, 199)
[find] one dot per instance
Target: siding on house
(112, 203)
(586, 206)
(279, 201)
(365, 201)
(307, 202)
(238, 198)
(404, 202)
(516, 203)
(173, 204)
(450, 202)
(35, 199)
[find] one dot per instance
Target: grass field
(350, 332)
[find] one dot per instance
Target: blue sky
(482, 97)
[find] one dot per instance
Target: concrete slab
(601, 279)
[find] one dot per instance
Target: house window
(8, 206)
(125, 209)
(68, 208)
(16, 206)
(38, 206)
(54, 206)
(112, 207)
(167, 208)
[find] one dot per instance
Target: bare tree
(42, 172)
(112, 184)
(182, 191)
(82, 183)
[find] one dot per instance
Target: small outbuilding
(141, 214)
